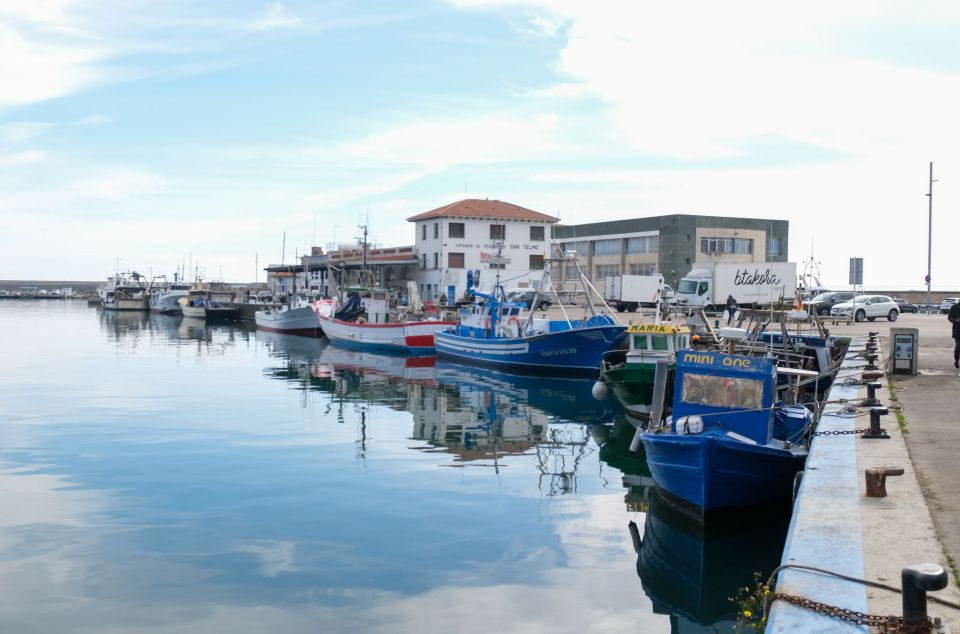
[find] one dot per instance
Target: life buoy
(514, 321)
(486, 324)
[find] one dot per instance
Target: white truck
(629, 292)
(750, 283)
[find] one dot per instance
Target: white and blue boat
(728, 443)
(502, 334)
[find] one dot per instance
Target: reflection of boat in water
(291, 346)
(193, 328)
(614, 442)
(570, 399)
(122, 323)
(690, 570)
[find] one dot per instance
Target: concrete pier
(837, 527)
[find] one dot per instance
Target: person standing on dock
(731, 308)
(954, 317)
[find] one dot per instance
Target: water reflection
(213, 499)
(130, 329)
(690, 567)
(477, 416)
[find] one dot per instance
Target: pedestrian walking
(954, 317)
(731, 308)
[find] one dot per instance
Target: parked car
(823, 302)
(525, 297)
(867, 307)
(948, 303)
(905, 306)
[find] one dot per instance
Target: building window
(536, 233)
(638, 268)
(455, 260)
(647, 244)
(606, 247)
(455, 230)
(436, 260)
(498, 232)
(536, 262)
(581, 248)
(423, 260)
(423, 231)
(436, 230)
(775, 246)
(688, 237)
(726, 245)
(604, 271)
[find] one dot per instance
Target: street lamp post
(929, 233)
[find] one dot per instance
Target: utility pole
(929, 234)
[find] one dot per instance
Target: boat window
(659, 342)
(639, 342)
(722, 391)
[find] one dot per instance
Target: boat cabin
(648, 342)
(731, 391)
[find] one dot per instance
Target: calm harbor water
(160, 475)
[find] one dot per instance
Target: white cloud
(16, 159)
(33, 70)
(120, 184)
(93, 119)
(18, 131)
(471, 141)
(274, 17)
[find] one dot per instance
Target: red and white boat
(375, 327)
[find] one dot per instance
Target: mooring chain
(840, 432)
(884, 624)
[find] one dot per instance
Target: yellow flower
(747, 613)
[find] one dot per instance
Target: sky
(229, 134)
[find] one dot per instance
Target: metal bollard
(871, 399)
(875, 430)
(916, 581)
(872, 362)
(876, 479)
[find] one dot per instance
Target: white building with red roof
(468, 235)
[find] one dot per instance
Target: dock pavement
(919, 519)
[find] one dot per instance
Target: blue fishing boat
(499, 333)
(726, 445)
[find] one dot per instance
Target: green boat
(629, 373)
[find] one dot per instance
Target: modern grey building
(671, 244)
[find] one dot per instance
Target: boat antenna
(364, 246)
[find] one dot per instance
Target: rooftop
(484, 209)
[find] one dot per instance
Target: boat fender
(600, 391)
(689, 425)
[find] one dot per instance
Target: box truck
(751, 284)
(629, 292)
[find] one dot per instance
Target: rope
(866, 582)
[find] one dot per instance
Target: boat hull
(128, 303)
(415, 337)
(167, 303)
(197, 312)
(296, 321)
(574, 351)
(632, 385)
(711, 470)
